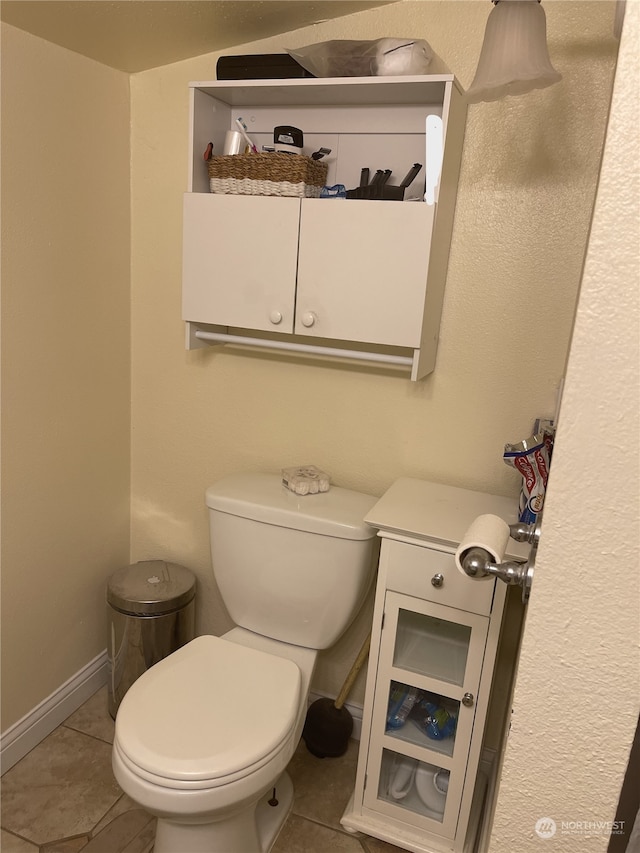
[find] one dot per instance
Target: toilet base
(251, 831)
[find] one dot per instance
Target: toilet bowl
(202, 739)
(197, 752)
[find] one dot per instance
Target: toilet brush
(329, 724)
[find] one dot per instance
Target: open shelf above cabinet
(335, 91)
(355, 279)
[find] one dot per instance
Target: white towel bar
(309, 349)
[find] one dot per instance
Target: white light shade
(514, 58)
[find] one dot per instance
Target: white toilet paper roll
(488, 532)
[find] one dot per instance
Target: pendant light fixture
(514, 58)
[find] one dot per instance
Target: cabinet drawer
(411, 570)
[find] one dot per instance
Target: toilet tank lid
(262, 497)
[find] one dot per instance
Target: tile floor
(62, 798)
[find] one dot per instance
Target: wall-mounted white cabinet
(434, 644)
(366, 275)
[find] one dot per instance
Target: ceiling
(134, 35)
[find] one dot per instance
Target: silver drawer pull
(437, 580)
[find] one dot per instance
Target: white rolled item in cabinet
(488, 532)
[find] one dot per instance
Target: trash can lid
(151, 587)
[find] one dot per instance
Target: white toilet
(202, 739)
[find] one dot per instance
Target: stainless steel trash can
(150, 613)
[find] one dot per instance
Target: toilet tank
(294, 568)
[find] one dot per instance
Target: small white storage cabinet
(437, 631)
(365, 275)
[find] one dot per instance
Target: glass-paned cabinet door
(424, 707)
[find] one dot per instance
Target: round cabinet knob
(308, 318)
(437, 580)
(275, 317)
(468, 699)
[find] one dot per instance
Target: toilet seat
(208, 714)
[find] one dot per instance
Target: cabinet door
(431, 655)
(362, 271)
(240, 257)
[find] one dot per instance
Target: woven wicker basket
(267, 174)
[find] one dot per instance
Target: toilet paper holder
(478, 563)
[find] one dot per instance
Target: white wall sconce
(514, 58)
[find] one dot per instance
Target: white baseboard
(23, 736)
(354, 710)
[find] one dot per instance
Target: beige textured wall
(524, 206)
(577, 697)
(66, 360)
